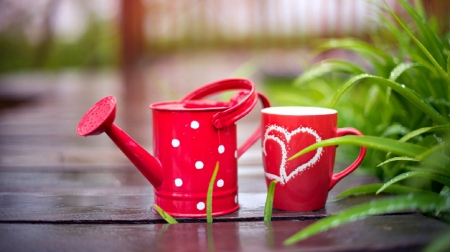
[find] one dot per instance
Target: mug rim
(298, 111)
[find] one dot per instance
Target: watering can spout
(100, 118)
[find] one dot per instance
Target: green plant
(209, 195)
(407, 115)
(269, 201)
(167, 217)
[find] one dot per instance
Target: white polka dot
(221, 149)
(178, 182)
(220, 183)
(200, 205)
(195, 125)
(175, 142)
(199, 165)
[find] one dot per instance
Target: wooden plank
(123, 195)
(386, 233)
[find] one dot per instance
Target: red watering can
(189, 137)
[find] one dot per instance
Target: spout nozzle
(98, 118)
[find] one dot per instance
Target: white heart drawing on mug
(283, 176)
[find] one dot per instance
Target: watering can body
(188, 147)
(189, 137)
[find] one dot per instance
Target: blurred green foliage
(96, 48)
(405, 91)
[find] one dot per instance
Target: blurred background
(144, 51)
(57, 34)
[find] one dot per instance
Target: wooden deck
(62, 192)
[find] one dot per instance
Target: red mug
(189, 137)
(302, 183)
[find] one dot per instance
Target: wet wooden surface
(61, 192)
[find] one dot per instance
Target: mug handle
(238, 108)
(338, 176)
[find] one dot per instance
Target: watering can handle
(239, 108)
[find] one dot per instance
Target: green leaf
(406, 92)
(440, 244)
(357, 46)
(325, 67)
(448, 64)
(423, 202)
(428, 36)
(165, 215)
(379, 143)
(373, 188)
(397, 159)
(434, 153)
(387, 24)
(269, 201)
(445, 191)
(372, 100)
(441, 179)
(395, 129)
(209, 218)
(400, 69)
(417, 132)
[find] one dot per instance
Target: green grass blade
(356, 46)
(395, 129)
(325, 67)
(448, 64)
(436, 170)
(445, 191)
(373, 188)
(406, 92)
(209, 218)
(440, 244)
(429, 35)
(422, 202)
(397, 72)
(421, 131)
(400, 69)
(441, 179)
(434, 153)
(269, 201)
(397, 159)
(165, 215)
(379, 143)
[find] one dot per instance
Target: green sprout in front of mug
(269, 201)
